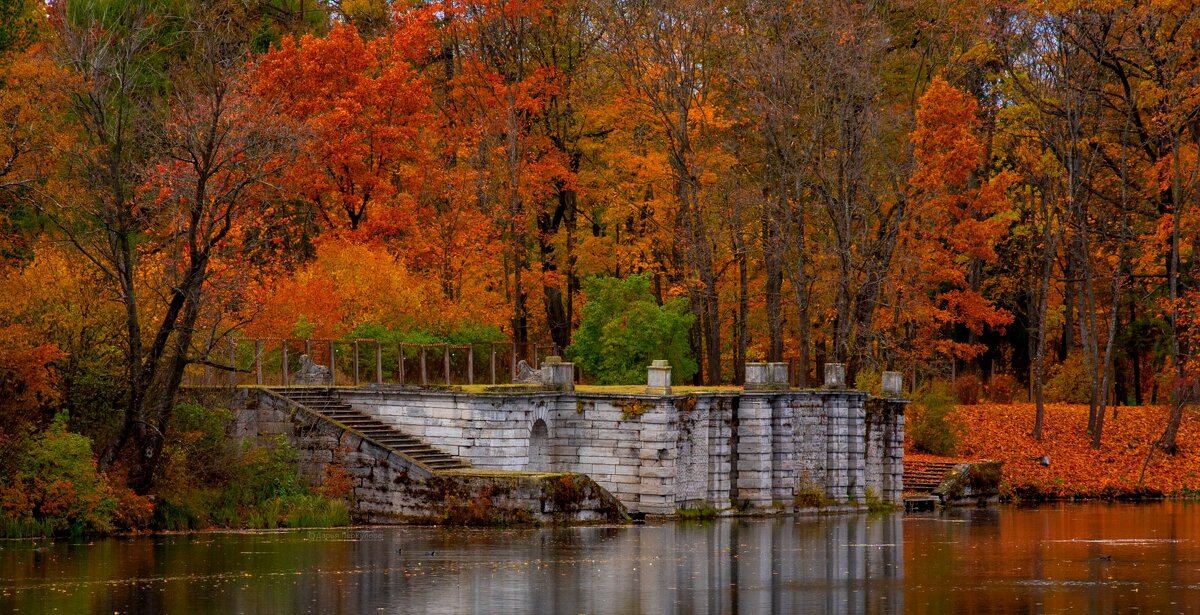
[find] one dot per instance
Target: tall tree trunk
(1098, 430)
(773, 270)
(1167, 441)
(1049, 249)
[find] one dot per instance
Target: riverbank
(1075, 470)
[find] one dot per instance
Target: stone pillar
(757, 377)
(856, 451)
(766, 377)
(658, 378)
(837, 446)
(892, 385)
(783, 449)
(894, 454)
(779, 375)
(754, 452)
(835, 376)
(658, 453)
(560, 375)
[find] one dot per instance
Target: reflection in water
(828, 565)
(1090, 558)
(1072, 558)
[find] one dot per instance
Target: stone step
(325, 403)
(925, 476)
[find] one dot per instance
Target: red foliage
(1002, 389)
(967, 389)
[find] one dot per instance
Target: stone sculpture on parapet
(311, 374)
(554, 374)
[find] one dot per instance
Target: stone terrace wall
(657, 453)
(389, 487)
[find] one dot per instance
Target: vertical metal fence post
(424, 379)
(446, 362)
(332, 365)
(400, 361)
(283, 366)
(378, 362)
(513, 363)
(355, 362)
(233, 377)
(493, 365)
(258, 377)
(470, 364)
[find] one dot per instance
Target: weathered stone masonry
(388, 487)
(661, 453)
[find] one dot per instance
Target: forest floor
(1075, 470)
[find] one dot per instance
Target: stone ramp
(326, 403)
(923, 476)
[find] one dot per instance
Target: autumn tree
(667, 56)
(365, 115)
(960, 213)
(159, 218)
(32, 135)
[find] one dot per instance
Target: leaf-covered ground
(1002, 433)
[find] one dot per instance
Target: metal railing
(276, 361)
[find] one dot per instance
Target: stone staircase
(924, 476)
(325, 403)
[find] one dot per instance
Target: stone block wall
(883, 435)
(660, 453)
(388, 487)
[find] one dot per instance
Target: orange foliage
(366, 112)
(1000, 432)
(958, 219)
(351, 284)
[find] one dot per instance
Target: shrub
(624, 329)
(1002, 389)
(967, 389)
(869, 381)
(57, 489)
(1068, 382)
(929, 429)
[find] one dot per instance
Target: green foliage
(208, 483)
(875, 504)
(928, 427)
(869, 381)
(697, 514)
(316, 511)
(267, 472)
(18, 28)
(1069, 382)
(57, 489)
(624, 329)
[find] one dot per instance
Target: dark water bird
(1107, 558)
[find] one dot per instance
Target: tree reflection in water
(1085, 558)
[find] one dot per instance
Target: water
(1072, 558)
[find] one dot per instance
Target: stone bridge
(762, 449)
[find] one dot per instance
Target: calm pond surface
(1093, 558)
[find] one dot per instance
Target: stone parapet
(769, 450)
